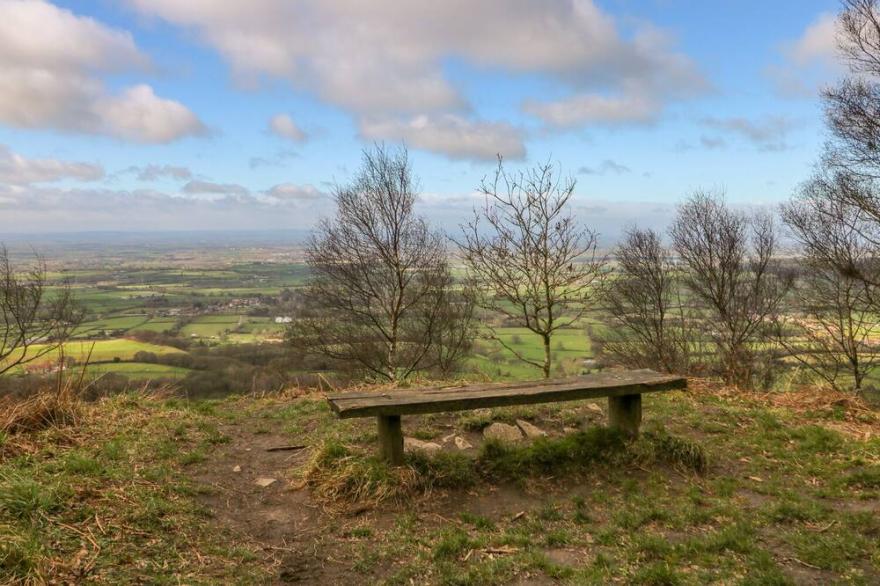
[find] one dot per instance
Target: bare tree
(729, 261)
(35, 321)
(455, 329)
(837, 298)
(526, 256)
(833, 218)
(853, 106)
(381, 285)
(647, 320)
(836, 215)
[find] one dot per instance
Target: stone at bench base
(411, 444)
(503, 432)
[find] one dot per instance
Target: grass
(139, 370)
(570, 346)
(105, 501)
(721, 487)
(339, 476)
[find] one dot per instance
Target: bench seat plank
(441, 399)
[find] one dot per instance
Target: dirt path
(302, 542)
(279, 518)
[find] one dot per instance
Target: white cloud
(42, 209)
(52, 209)
(818, 43)
(18, 170)
(384, 60)
(712, 142)
(451, 135)
(292, 191)
(283, 125)
(767, 134)
(37, 34)
(276, 160)
(593, 109)
(156, 172)
(140, 115)
(605, 167)
(199, 187)
(50, 66)
(809, 61)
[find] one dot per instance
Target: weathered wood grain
(441, 399)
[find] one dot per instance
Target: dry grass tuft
(847, 413)
(58, 406)
(340, 476)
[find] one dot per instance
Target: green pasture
(121, 349)
(568, 348)
(157, 324)
(138, 370)
(122, 322)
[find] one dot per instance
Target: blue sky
(166, 115)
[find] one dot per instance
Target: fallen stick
(285, 448)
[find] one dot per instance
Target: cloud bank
(51, 62)
(341, 51)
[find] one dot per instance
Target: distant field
(104, 350)
(568, 349)
(157, 324)
(122, 299)
(211, 325)
(123, 322)
(138, 370)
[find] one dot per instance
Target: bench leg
(625, 414)
(391, 439)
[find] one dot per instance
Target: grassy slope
(106, 500)
(789, 497)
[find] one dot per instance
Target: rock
(411, 444)
(449, 438)
(530, 431)
(595, 407)
(237, 469)
(462, 444)
(503, 432)
(567, 430)
(264, 481)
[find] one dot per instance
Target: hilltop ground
(162, 490)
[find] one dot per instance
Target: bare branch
(527, 258)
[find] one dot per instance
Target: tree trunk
(546, 356)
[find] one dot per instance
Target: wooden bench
(623, 389)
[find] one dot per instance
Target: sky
(158, 115)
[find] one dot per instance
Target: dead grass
(342, 476)
(58, 405)
(843, 412)
(105, 500)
